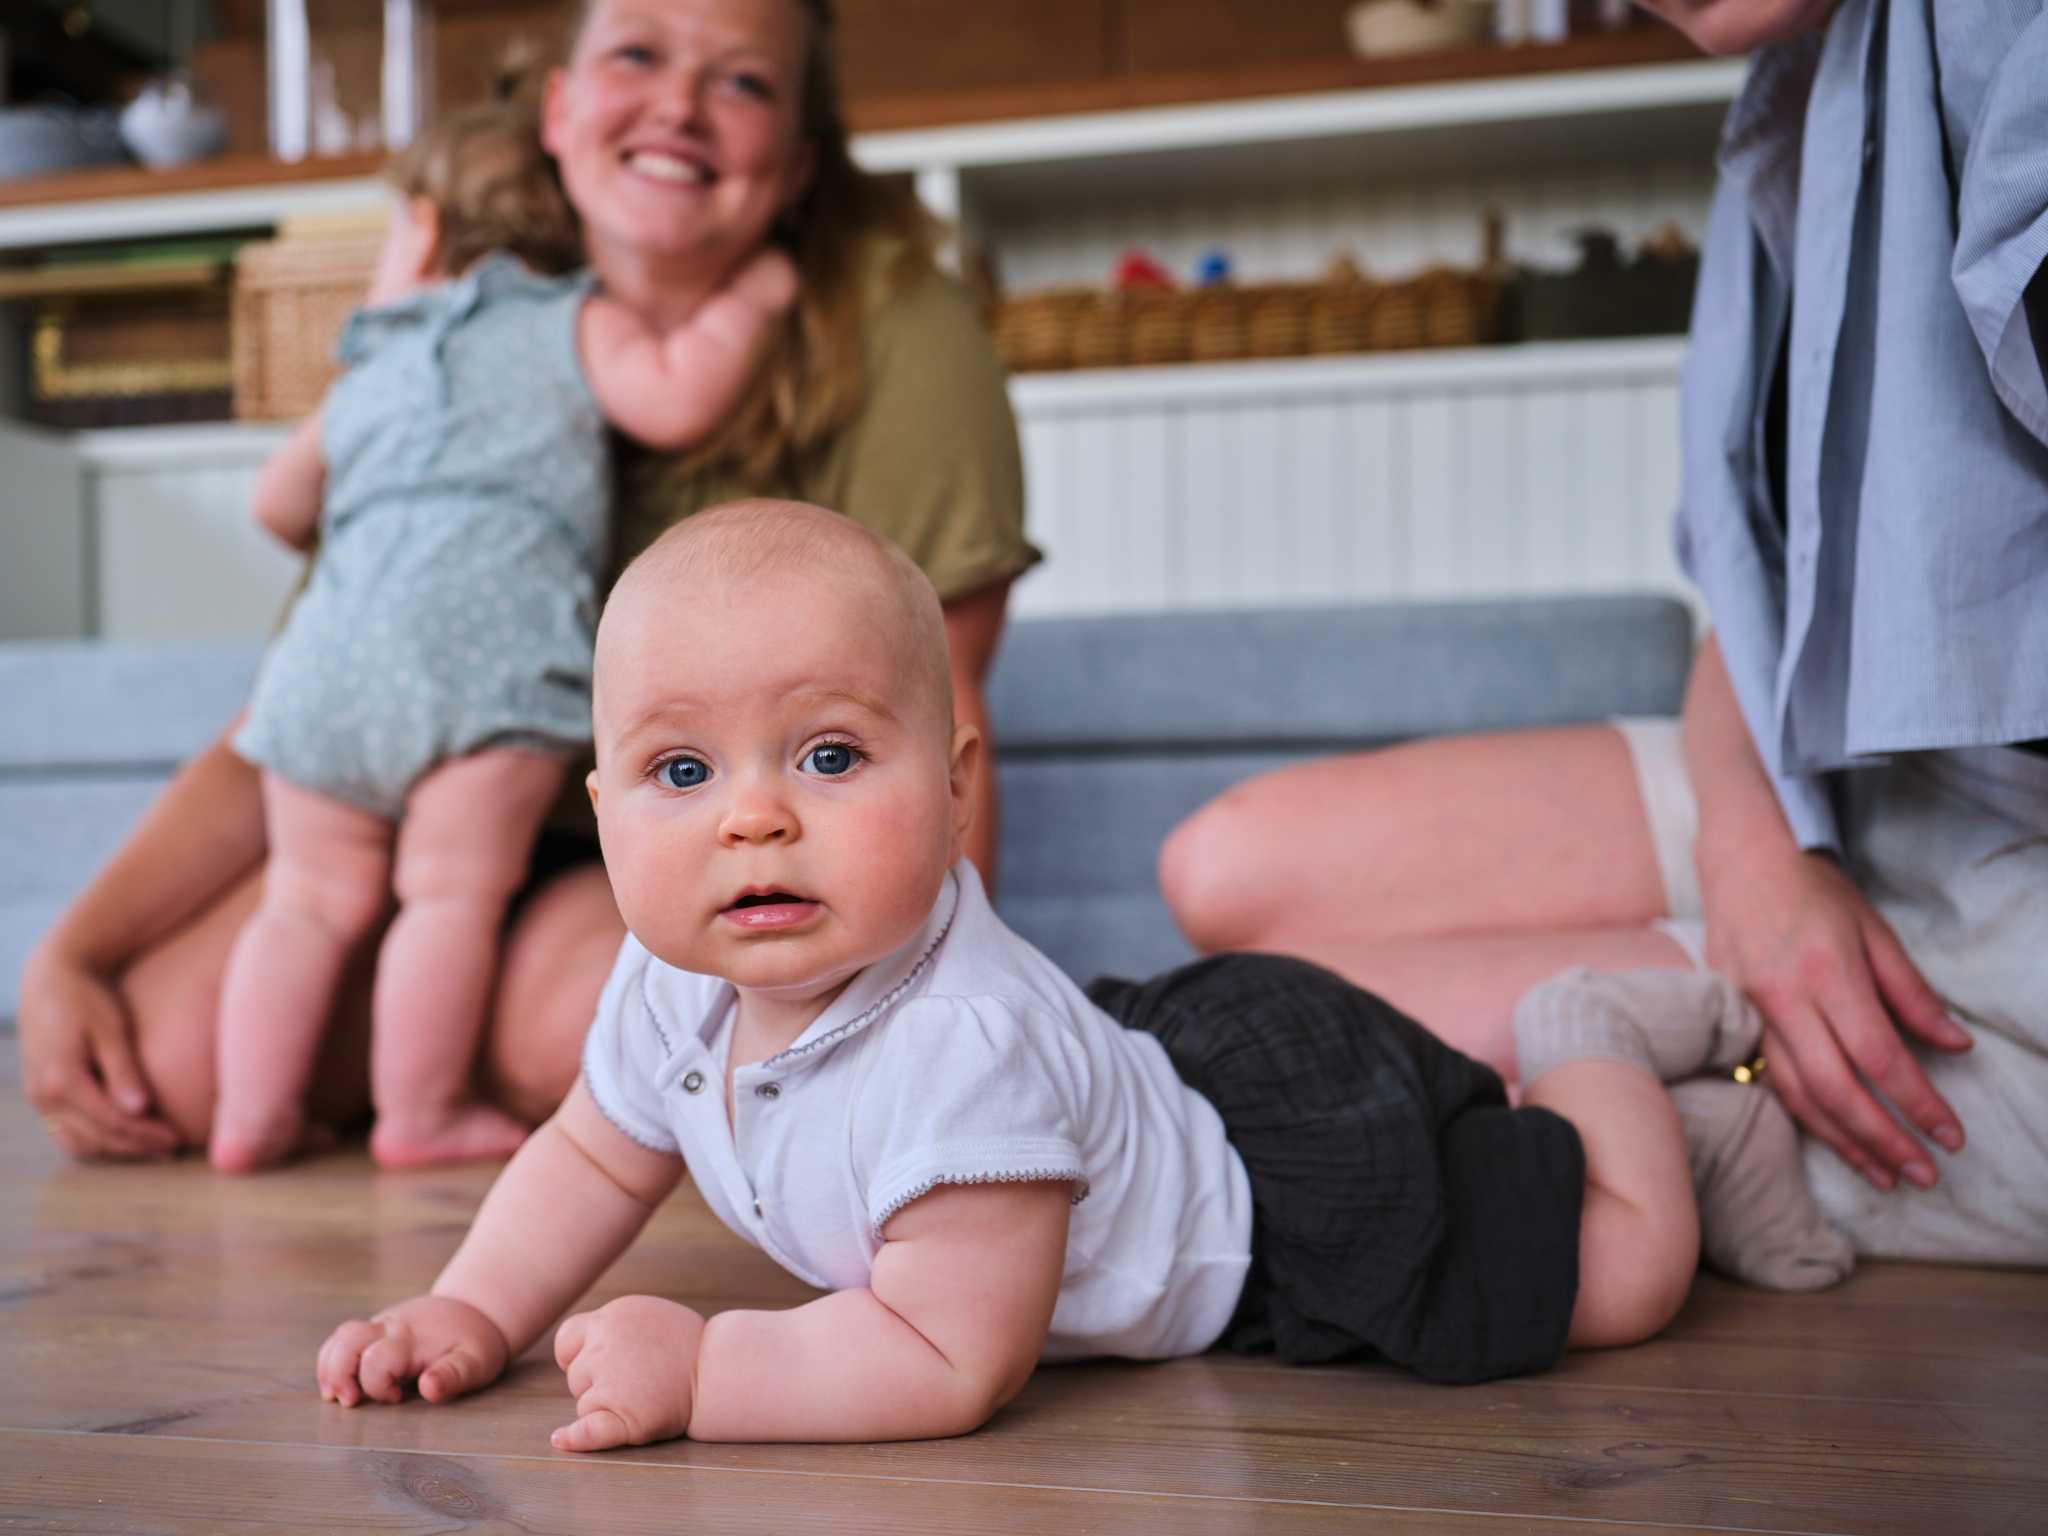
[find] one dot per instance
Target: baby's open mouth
(772, 898)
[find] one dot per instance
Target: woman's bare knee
(1205, 865)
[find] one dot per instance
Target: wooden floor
(157, 1330)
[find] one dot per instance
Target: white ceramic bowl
(168, 125)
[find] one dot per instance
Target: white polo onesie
(966, 1057)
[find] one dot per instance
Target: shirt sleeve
(932, 460)
(623, 1052)
(967, 1091)
(2002, 225)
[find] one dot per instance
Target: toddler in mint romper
(454, 600)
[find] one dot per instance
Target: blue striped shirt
(1874, 548)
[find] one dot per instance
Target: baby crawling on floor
(819, 1017)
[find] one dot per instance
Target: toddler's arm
(566, 1206)
(947, 1330)
(672, 390)
(292, 484)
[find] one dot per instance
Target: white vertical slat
(1379, 565)
(180, 556)
(1425, 476)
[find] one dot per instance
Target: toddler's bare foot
(469, 1133)
(238, 1147)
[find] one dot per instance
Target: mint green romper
(453, 603)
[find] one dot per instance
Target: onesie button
(768, 1091)
(757, 1207)
(693, 1082)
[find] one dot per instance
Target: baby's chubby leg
(1639, 1231)
(324, 888)
(463, 850)
(1758, 1218)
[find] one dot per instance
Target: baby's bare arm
(292, 484)
(565, 1207)
(948, 1330)
(568, 1204)
(672, 390)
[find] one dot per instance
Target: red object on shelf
(1135, 269)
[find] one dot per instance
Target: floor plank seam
(591, 1467)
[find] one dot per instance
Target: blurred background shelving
(1534, 468)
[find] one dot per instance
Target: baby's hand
(447, 1346)
(768, 281)
(630, 1365)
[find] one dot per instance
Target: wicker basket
(1102, 331)
(1035, 331)
(291, 298)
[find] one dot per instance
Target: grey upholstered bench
(1109, 730)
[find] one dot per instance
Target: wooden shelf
(1118, 138)
(1627, 48)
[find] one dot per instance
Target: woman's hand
(447, 1346)
(630, 1366)
(1835, 989)
(79, 1064)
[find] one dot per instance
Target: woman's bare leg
(561, 947)
(325, 887)
(1448, 876)
(463, 850)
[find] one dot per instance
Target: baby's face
(777, 800)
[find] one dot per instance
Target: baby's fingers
(461, 1370)
(385, 1366)
(340, 1358)
(598, 1430)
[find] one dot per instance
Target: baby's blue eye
(832, 759)
(684, 772)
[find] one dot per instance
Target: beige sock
(1758, 1221)
(1675, 1023)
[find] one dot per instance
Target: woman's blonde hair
(815, 377)
(494, 187)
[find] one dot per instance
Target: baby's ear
(966, 762)
(590, 787)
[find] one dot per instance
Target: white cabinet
(1521, 469)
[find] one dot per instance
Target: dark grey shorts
(1400, 1206)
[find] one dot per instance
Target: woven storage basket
(1340, 315)
(1102, 332)
(1162, 326)
(291, 297)
(1220, 327)
(1035, 331)
(1459, 308)
(1278, 322)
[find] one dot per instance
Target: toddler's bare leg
(324, 888)
(1639, 1231)
(462, 852)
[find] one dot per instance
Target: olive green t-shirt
(930, 462)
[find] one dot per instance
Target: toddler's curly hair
(483, 168)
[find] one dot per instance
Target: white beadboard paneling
(1481, 472)
(178, 553)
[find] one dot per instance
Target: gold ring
(1751, 1070)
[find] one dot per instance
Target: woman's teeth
(667, 167)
